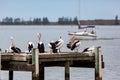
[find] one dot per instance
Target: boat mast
(79, 12)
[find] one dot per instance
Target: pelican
(59, 43)
(13, 48)
(56, 45)
(76, 45)
(73, 45)
(89, 49)
(40, 45)
(30, 46)
(52, 45)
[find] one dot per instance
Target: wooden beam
(46, 57)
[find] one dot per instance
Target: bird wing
(78, 43)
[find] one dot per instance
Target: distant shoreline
(83, 22)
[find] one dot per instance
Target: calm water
(110, 49)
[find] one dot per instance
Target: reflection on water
(108, 39)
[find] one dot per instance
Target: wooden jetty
(36, 62)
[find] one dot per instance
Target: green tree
(116, 20)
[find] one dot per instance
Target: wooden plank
(5, 57)
(64, 59)
(14, 57)
(51, 57)
(18, 67)
(18, 58)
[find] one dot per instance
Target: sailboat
(84, 35)
(81, 35)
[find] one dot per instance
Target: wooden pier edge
(36, 62)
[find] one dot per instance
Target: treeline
(37, 21)
(19, 21)
(60, 21)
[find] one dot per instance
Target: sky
(53, 9)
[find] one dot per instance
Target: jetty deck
(36, 62)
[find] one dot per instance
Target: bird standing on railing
(56, 45)
(40, 45)
(30, 46)
(13, 47)
(52, 46)
(59, 43)
(89, 49)
(73, 45)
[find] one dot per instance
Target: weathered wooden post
(67, 70)
(0, 63)
(41, 71)
(10, 74)
(35, 61)
(98, 66)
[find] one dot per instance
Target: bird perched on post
(52, 46)
(13, 47)
(40, 44)
(55, 46)
(30, 46)
(59, 43)
(73, 45)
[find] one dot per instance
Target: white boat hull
(77, 37)
(83, 36)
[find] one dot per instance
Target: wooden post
(33, 56)
(67, 70)
(98, 66)
(35, 61)
(11, 75)
(41, 71)
(0, 63)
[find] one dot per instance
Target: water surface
(110, 44)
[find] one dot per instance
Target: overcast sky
(53, 9)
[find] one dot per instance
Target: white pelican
(30, 46)
(55, 46)
(76, 45)
(13, 48)
(40, 45)
(52, 45)
(59, 43)
(73, 45)
(89, 49)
